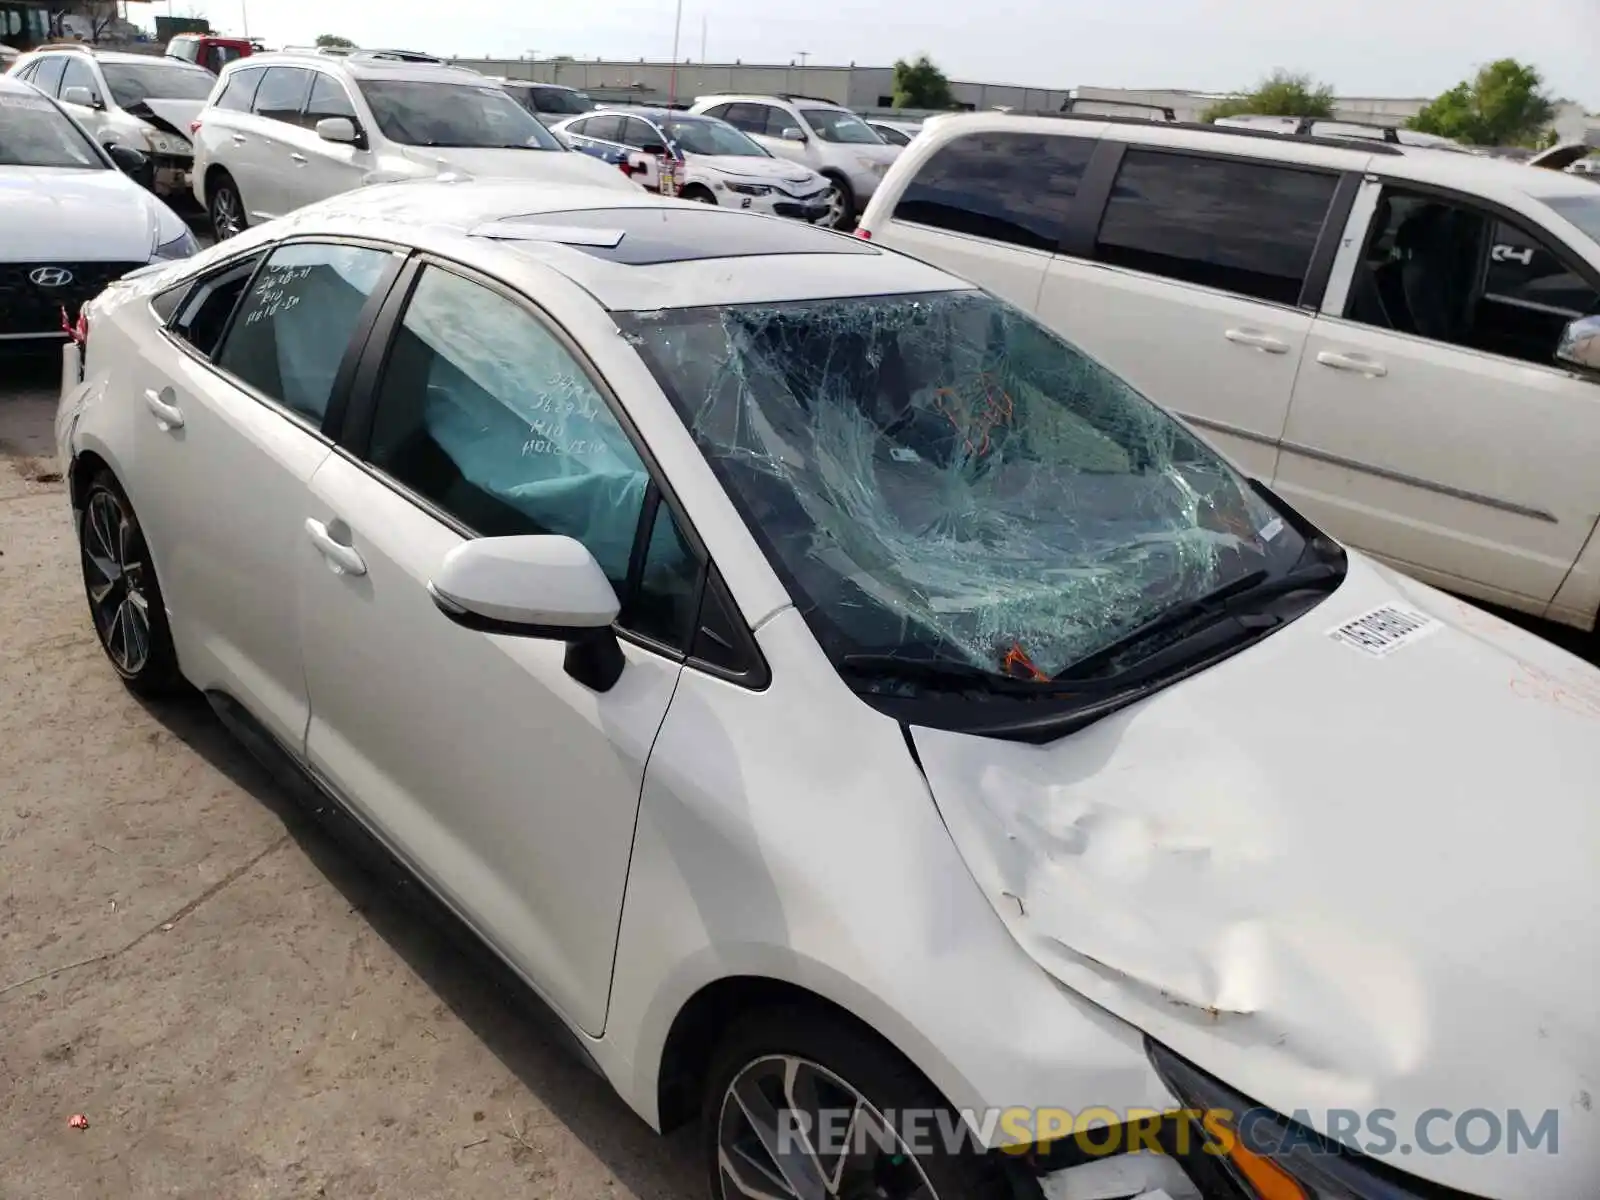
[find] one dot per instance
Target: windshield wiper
(938, 673)
(1233, 599)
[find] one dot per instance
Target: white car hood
(547, 166)
(750, 166)
(1330, 879)
(53, 214)
(178, 113)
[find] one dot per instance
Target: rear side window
(297, 321)
(48, 77)
(1008, 187)
(239, 93)
(207, 306)
(1241, 227)
(283, 94)
(604, 129)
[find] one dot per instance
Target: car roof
(1478, 175)
(630, 253)
(768, 98)
(365, 68)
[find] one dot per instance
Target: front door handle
(239, 139)
(341, 558)
(1369, 367)
(1257, 340)
(164, 405)
(299, 158)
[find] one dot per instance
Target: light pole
(802, 55)
(672, 84)
(244, 16)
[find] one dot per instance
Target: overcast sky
(1362, 47)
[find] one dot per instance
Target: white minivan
(284, 130)
(1393, 337)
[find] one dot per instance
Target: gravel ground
(237, 1008)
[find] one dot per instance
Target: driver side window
(1454, 273)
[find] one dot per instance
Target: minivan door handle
(164, 405)
(343, 559)
(1257, 340)
(1369, 367)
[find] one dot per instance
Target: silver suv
(827, 137)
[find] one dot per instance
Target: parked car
(819, 134)
(848, 705)
(550, 103)
(211, 51)
(895, 133)
(285, 130)
(1380, 332)
(708, 160)
(133, 100)
(71, 218)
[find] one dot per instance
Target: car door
(1194, 285)
(640, 137)
(1431, 424)
(317, 168)
(234, 406)
(508, 784)
(262, 150)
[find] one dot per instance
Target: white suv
(285, 130)
(131, 100)
(822, 135)
(1384, 334)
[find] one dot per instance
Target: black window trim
(333, 417)
(300, 111)
(260, 73)
(1327, 238)
(338, 81)
(360, 410)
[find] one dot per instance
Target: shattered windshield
(938, 477)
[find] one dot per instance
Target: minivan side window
(1451, 272)
(48, 77)
(1243, 227)
(1007, 187)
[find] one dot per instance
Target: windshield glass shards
(947, 487)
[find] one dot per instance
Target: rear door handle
(239, 139)
(343, 559)
(1371, 368)
(299, 158)
(164, 405)
(1257, 340)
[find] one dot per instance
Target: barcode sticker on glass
(1383, 630)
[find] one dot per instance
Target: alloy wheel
(114, 572)
(834, 217)
(227, 214)
(790, 1129)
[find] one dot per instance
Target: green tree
(920, 84)
(332, 41)
(1281, 94)
(1503, 105)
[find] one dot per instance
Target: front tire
(226, 208)
(774, 1080)
(125, 601)
(698, 194)
(841, 205)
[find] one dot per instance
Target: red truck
(211, 51)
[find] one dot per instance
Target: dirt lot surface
(237, 1008)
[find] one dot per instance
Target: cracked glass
(938, 477)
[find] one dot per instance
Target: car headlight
(1242, 1150)
(169, 143)
(750, 189)
(181, 246)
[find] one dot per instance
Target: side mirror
(81, 96)
(535, 586)
(129, 161)
(338, 129)
(792, 134)
(1580, 344)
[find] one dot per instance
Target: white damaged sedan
(868, 725)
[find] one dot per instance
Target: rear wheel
(801, 1105)
(226, 207)
(130, 616)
